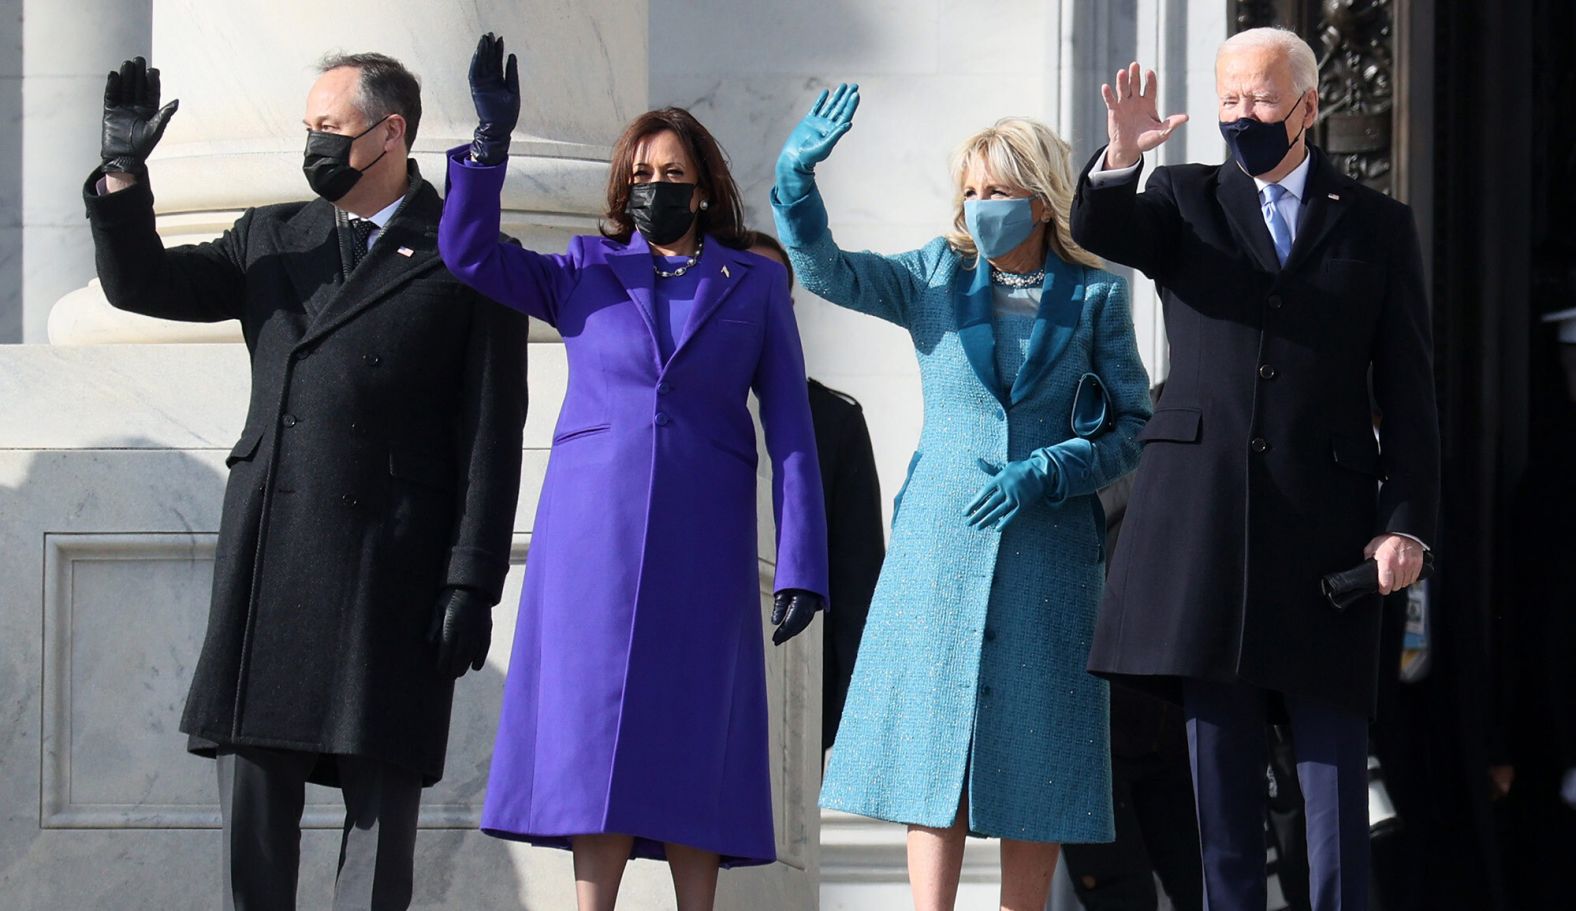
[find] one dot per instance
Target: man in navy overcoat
(1290, 291)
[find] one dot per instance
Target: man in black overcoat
(367, 519)
(856, 540)
(1285, 286)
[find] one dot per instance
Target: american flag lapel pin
(1335, 196)
(726, 273)
(405, 251)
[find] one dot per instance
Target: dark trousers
(1150, 795)
(262, 793)
(1227, 740)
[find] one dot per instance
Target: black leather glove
(461, 630)
(792, 611)
(133, 120)
(495, 90)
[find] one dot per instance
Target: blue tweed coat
(971, 670)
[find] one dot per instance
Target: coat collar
(1325, 199)
(721, 269)
(407, 247)
(1061, 305)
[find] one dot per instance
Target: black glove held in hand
(495, 90)
(792, 611)
(461, 630)
(133, 120)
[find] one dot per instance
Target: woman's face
(980, 183)
(662, 157)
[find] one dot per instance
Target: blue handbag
(1092, 410)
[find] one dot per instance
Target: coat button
(990, 634)
(664, 388)
(662, 419)
(1259, 445)
(289, 420)
(1001, 415)
(349, 500)
(372, 360)
(985, 692)
(1267, 372)
(1274, 301)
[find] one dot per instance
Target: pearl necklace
(1018, 279)
(688, 264)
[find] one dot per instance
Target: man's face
(1257, 83)
(331, 108)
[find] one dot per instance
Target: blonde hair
(1024, 153)
(1304, 65)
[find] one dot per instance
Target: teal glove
(812, 140)
(1009, 490)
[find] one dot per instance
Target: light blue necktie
(1280, 232)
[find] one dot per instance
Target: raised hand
(792, 611)
(1132, 120)
(812, 140)
(133, 120)
(495, 90)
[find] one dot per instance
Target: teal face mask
(998, 225)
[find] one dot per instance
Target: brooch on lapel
(1335, 196)
(405, 251)
(726, 273)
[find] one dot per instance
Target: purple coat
(636, 695)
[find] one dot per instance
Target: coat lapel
(971, 299)
(1061, 304)
(632, 267)
(407, 246)
(1239, 199)
(721, 270)
(310, 254)
(1324, 202)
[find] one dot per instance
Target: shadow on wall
(122, 815)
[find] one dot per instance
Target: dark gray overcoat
(1260, 471)
(380, 463)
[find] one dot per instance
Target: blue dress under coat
(971, 670)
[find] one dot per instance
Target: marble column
(67, 48)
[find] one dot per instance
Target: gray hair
(1304, 65)
(386, 88)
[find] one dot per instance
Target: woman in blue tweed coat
(970, 710)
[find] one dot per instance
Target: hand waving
(1132, 120)
(133, 120)
(812, 140)
(495, 90)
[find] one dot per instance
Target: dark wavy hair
(723, 217)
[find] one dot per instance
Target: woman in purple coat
(634, 715)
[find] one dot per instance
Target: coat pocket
(1356, 454)
(245, 448)
(1173, 425)
(579, 432)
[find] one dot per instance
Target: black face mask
(327, 166)
(660, 210)
(1258, 145)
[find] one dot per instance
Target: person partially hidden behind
(855, 534)
(367, 519)
(1284, 283)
